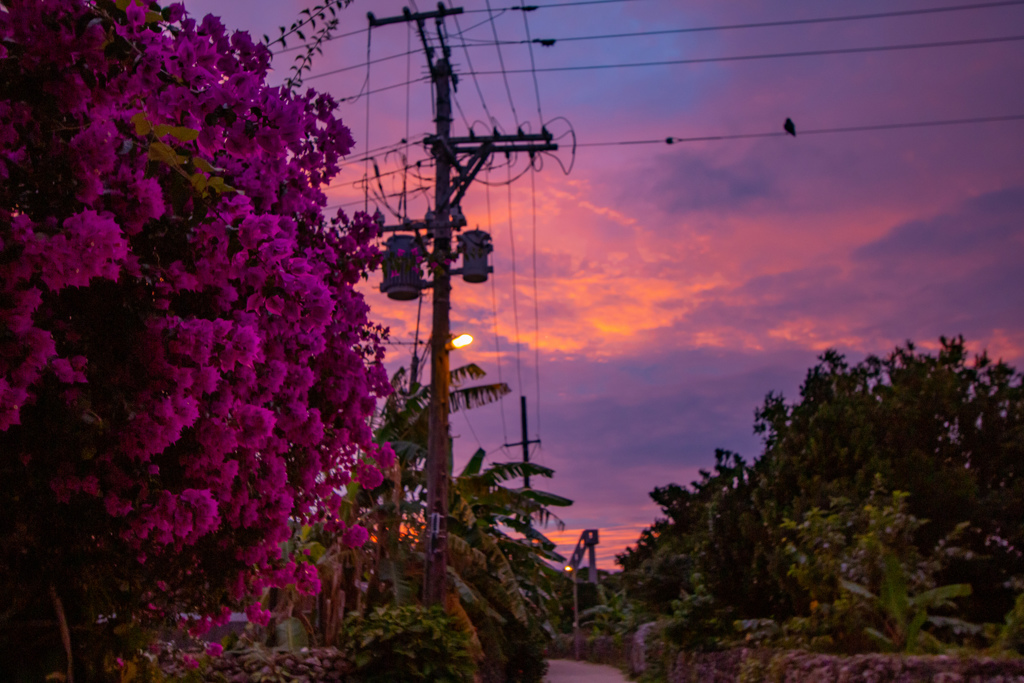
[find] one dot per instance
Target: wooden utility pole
(439, 443)
(447, 150)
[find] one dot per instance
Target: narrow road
(568, 671)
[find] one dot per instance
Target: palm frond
(461, 374)
(469, 595)
(545, 498)
(474, 397)
(464, 556)
(503, 471)
(472, 467)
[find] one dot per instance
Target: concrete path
(568, 671)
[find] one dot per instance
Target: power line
(392, 147)
(515, 295)
(767, 24)
(576, 3)
(536, 303)
(353, 98)
(465, 415)
(494, 312)
(533, 70)
(405, 176)
(532, 8)
(469, 62)
(772, 55)
(366, 63)
(396, 171)
(360, 201)
(366, 193)
(301, 47)
(501, 61)
(736, 136)
(499, 10)
(814, 131)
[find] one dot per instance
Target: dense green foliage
(501, 584)
(890, 488)
(407, 643)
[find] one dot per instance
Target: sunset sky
(676, 285)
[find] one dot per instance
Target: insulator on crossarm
(458, 218)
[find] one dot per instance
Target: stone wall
(767, 666)
(644, 653)
(611, 650)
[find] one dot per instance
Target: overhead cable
(501, 61)
(814, 131)
(515, 294)
(536, 299)
(469, 62)
(303, 46)
(494, 309)
(366, 193)
(574, 3)
(694, 29)
(771, 55)
(353, 98)
(533, 70)
(367, 63)
(765, 24)
(392, 147)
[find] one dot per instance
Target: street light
(459, 342)
(588, 539)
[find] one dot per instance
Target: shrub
(407, 643)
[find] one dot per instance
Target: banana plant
(614, 615)
(904, 615)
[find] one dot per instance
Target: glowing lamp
(460, 341)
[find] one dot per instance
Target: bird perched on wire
(789, 127)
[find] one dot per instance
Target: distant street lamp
(588, 539)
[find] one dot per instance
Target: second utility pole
(525, 443)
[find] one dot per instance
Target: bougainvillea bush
(184, 363)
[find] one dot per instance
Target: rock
(638, 663)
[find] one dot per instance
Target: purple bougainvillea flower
(185, 365)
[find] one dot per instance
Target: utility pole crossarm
(479, 148)
(534, 142)
(407, 226)
(408, 15)
(525, 443)
(521, 137)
